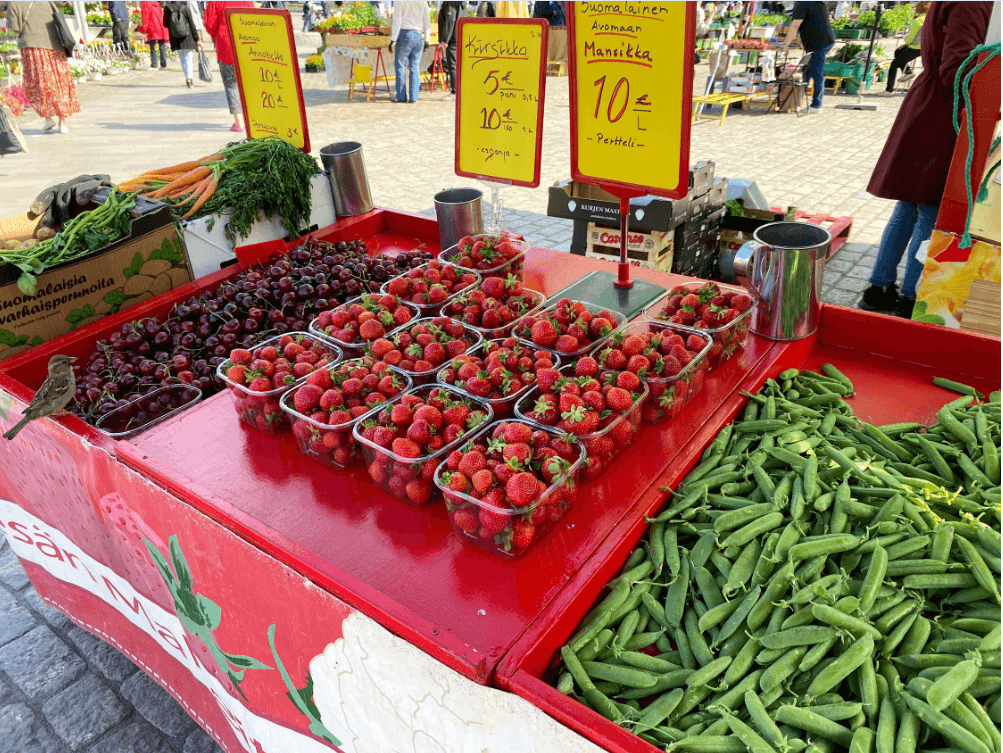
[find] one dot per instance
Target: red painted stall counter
(891, 362)
(402, 565)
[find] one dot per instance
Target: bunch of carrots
(193, 181)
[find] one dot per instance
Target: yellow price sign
(264, 56)
(500, 87)
(631, 73)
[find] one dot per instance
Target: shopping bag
(11, 140)
(205, 72)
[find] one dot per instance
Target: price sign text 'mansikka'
(500, 87)
(267, 68)
(631, 72)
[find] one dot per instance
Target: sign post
(631, 75)
(267, 68)
(500, 91)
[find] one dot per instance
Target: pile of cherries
(194, 337)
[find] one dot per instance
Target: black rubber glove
(60, 203)
(391, 47)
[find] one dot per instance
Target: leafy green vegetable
(87, 232)
(735, 208)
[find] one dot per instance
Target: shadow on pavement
(196, 101)
(165, 126)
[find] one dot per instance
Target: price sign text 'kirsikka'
(501, 81)
(264, 55)
(631, 89)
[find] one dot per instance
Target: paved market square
(81, 694)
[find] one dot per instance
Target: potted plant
(79, 69)
(95, 68)
(315, 64)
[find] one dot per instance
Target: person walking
(183, 31)
(554, 12)
(410, 34)
(48, 82)
(449, 14)
(916, 158)
(910, 48)
(152, 27)
(216, 27)
(811, 22)
(308, 16)
(119, 25)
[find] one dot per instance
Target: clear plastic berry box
(428, 376)
(503, 406)
(332, 445)
(603, 446)
(355, 348)
(514, 266)
(731, 337)
(261, 409)
(466, 511)
(431, 309)
(669, 394)
(411, 480)
(497, 332)
(128, 420)
(568, 357)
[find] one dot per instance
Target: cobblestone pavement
(62, 689)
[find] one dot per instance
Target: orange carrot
(190, 194)
(187, 179)
(206, 195)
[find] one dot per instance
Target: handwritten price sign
(264, 55)
(500, 86)
(631, 72)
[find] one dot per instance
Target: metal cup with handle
(782, 269)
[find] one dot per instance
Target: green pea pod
(951, 730)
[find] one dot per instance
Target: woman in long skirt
(48, 81)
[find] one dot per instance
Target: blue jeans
(407, 54)
(909, 225)
(816, 74)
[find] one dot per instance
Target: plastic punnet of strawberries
(568, 327)
(508, 485)
(671, 362)
(258, 377)
(405, 440)
(494, 305)
(431, 284)
(325, 408)
(603, 410)
(424, 346)
(364, 319)
(722, 312)
(490, 255)
(499, 374)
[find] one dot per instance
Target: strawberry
(405, 448)
(618, 399)
(307, 398)
(466, 520)
(695, 343)
(483, 480)
(419, 491)
(544, 333)
(522, 489)
(522, 534)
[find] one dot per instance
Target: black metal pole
(870, 49)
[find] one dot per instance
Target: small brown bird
(56, 391)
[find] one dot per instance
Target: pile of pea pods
(816, 583)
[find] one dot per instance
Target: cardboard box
(718, 193)
(652, 249)
(701, 177)
(583, 201)
(148, 262)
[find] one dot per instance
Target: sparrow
(56, 391)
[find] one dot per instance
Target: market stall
(361, 492)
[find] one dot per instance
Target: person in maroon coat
(916, 158)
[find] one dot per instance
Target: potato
(161, 284)
(11, 244)
(44, 233)
(138, 299)
(154, 267)
(179, 276)
(137, 284)
(28, 243)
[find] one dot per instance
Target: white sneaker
(49, 124)
(64, 129)
(814, 110)
(449, 97)
(152, 68)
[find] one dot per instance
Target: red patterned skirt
(49, 84)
